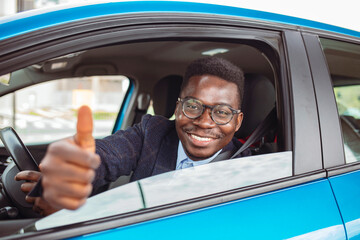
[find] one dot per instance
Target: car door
(338, 95)
(299, 205)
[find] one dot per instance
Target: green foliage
(348, 100)
(101, 115)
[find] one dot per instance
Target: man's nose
(205, 120)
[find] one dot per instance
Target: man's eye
(223, 113)
(192, 107)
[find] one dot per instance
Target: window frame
(331, 136)
(304, 112)
(48, 43)
(331, 133)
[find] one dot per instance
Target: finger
(69, 173)
(27, 186)
(43, 207)
(67, 203)
(37, 209)
(30, 199)
(28, 175)
(71, 189)
(66, 151)
(59, 201)
(84, 129)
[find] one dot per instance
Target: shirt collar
(182, 155)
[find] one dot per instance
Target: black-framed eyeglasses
(221, 114)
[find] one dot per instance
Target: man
(207, 115)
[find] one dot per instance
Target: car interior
(343, 61)
(155, 70)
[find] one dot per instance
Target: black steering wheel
(11, 194)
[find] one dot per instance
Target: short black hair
(218, 67)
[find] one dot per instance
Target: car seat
(351, 136)
(258, 102)
(165, 94)
(143, 102)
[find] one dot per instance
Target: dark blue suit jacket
(147, 149)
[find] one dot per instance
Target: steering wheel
(11, 193)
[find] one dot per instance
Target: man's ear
(239, 120)
(176, 108)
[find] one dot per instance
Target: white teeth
(202, 139)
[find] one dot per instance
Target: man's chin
(198, 156)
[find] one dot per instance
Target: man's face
(202, 137)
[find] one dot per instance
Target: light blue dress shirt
(183, 161)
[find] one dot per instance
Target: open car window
(46, 112)
(152, 69)
(343, 61)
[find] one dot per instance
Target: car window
(47, 111)
(344, 61)
(176, 186)
(201, 181)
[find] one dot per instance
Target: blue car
(126, 59)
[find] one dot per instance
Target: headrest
(258, 101)
(143, 101)
(165, 94)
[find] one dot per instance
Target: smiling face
(202, 137)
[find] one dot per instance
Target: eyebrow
(221, 103)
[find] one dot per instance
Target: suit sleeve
(119, 153)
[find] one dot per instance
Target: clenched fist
(69, 165)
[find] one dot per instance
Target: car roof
(42, 18)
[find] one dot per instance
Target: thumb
(84, 129)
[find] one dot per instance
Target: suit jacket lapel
(167, 155)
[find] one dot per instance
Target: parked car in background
(126, 59)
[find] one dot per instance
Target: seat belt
(261, 130)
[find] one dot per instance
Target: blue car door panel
(307, 211)
(346, 188)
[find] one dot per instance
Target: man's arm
(119, 153)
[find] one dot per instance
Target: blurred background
(9, 7)
(48, 111)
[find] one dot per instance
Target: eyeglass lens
(221, 114)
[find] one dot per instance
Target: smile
(201, 139)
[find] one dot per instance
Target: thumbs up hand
(69, 165)
(84, 129)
